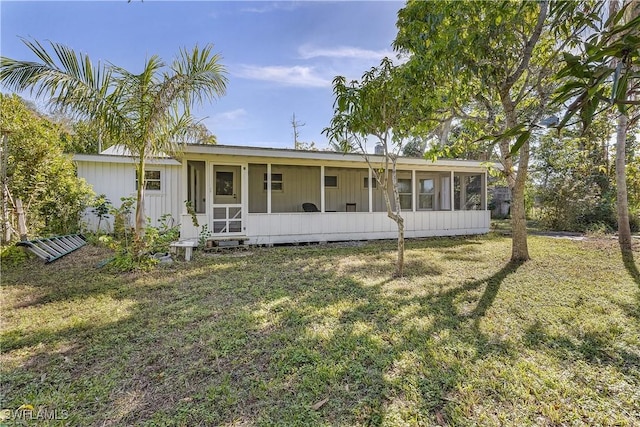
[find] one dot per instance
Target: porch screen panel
(468, 191)
(196, 185)
(473, 192)
(224, 184)
(445, 193)
(349, 191)
(257, 193)
(300, 184)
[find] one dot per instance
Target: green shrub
(126, 261)
(13, 256)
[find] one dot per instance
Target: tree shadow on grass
(593, 347)
(263, 340)
(631, 267)
(493, 286)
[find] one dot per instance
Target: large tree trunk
(624, 228)
(622, 204)
(519, 246)
(517, 181)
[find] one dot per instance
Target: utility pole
(296, 124)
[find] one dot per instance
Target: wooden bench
(53, 248)
(187, 245)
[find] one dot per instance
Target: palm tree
(148, 113)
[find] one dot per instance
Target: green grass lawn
(320, 335)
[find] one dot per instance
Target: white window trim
(146, 180)
(432, 194)
(410, 194)
(331, 186)
(273, 181)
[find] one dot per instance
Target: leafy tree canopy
(38, 172)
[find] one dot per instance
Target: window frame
(147, 180)
(432, 193)
(277, 182)
(366, 183)
(405, 194)
(331, 186)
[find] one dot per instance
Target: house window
(276, 182)
(331, 181)
(151, 180)
(373, 181)
(404, 191)
(426, 194)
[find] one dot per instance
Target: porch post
(268, 188)
(184, 187)
(463, 193)
(322, 188)
(453, 193)
(413, 190)
(244, 196)
(370, 189)
(485, 200)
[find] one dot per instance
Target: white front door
(227, 216)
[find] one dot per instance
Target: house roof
(119, 154)
(287, 153)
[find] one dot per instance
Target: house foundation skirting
(266, 229)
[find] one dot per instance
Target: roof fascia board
(322, 156)
(102, 158)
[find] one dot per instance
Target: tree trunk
(624, 228)
(6, 218)
(399, 221)
(394, 215)
(140, 218)
(519, 246)
(22, 222)
(400, 261)
(517, 182)
(622, 203)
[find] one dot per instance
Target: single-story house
(271, 196)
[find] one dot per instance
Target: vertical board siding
(335, 226)
(257, 194)
(301, 184)
(350, 190)
(117, 180)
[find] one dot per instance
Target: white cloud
(227, 120)
(288, 76)
(271, 6)
(231, 115)
(308, 52)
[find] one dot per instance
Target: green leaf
(616, 82)
(524, 136)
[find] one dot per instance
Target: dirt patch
(87, 256)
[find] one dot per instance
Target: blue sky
(281, 56)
